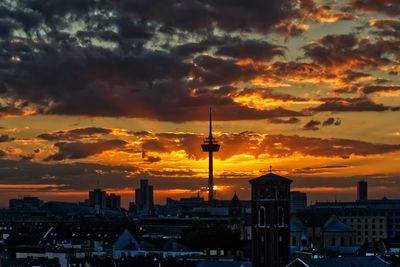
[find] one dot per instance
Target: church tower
(270, 206)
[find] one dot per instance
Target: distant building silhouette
(144, 198)
(26, 203)
(210, 145)
(362, 190)
(270, 196)
(99, 199)
(298, 201)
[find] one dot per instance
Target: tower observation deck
(210, 145)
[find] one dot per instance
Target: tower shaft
(210, 145)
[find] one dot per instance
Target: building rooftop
(270, 178)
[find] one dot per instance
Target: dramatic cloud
(331, 121)
(370, 89)
(78, 150)
(75, 133)
(312, 125)
(283, 121)
(390, 7)
(351, 104)
(279, 146)
(348, 50)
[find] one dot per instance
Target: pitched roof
(338, 226)
(270, 178)
(360, 261)
(235, 202)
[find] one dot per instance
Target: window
(281, 218)
(294, 241)
(333, 242)
(342, 241)
(261, 217)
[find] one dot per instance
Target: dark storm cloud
(351, 104)
(192, 15)
(389, 7)
(75, 133)
(78, 150)
(385, 27)
(312, 125)
(257, 50)
(56, 71)
(347, 49)
(376, 89)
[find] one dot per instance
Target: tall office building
(362, 190)
(270, 205)
(298, 201)
(114, 202)
(98, 199)
(144, 198)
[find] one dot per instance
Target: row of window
(365, 220)
(373, 233)
(359, 226)
(333, 242)
(264, 218)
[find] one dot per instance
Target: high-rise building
(270, 205)
(98, 199)
(298, 201)
(362, 190)
(144, 198)
(114, 202)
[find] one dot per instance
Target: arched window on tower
(281, 217)
(333, 242)
(342, 241)
(261, 217)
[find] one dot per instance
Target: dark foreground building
(270, 197)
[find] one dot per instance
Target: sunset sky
(108, 92)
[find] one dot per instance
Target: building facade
(144, 198)
(362, 190)
(298, 201)
(270, 197)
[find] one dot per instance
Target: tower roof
(235, 202)
(270, 178)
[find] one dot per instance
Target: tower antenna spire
(210, 145)
(210, 123)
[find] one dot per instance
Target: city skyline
(99, 91)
